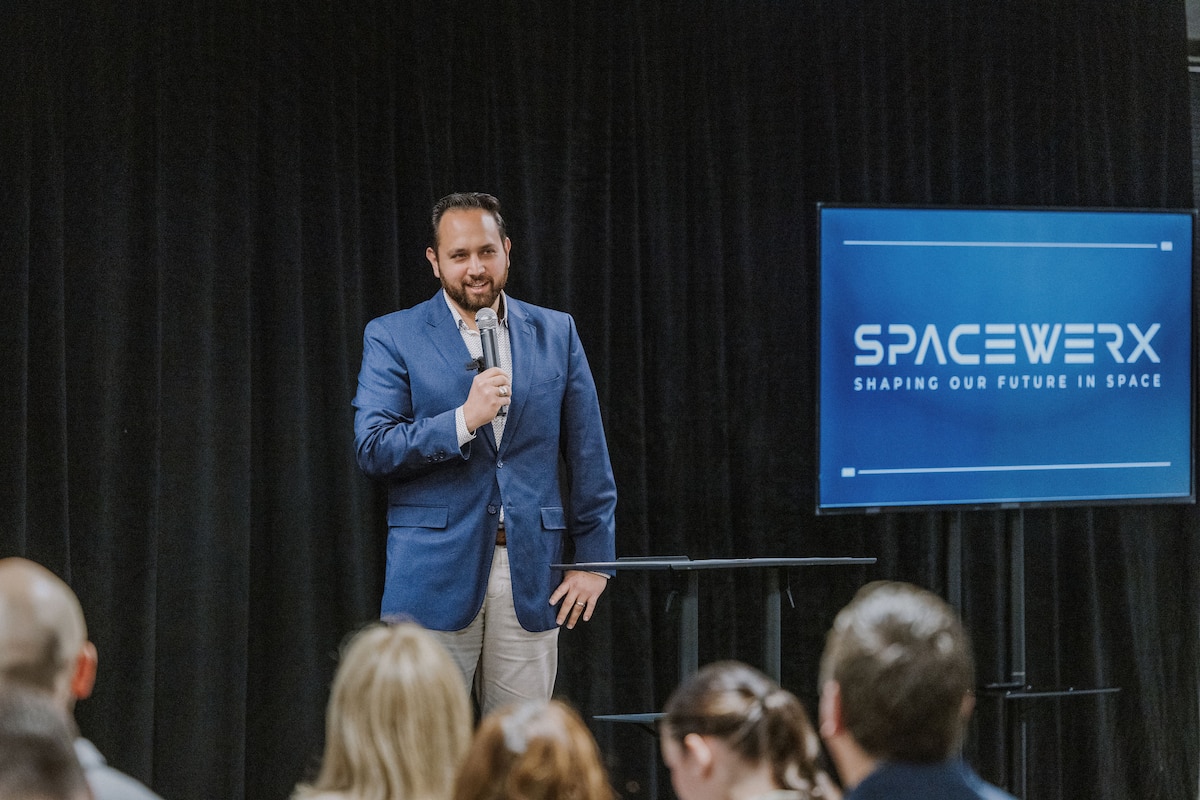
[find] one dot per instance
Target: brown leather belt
(501, 541)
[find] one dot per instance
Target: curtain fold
(204, 204)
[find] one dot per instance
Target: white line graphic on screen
(850, 472)
(1166, 246)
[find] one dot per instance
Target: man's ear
(431, 254)
(83, 679)
(696, 747)
(830, 710)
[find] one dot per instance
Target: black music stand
(689, 622)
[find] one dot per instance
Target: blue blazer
(443, 502)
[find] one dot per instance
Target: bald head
(42, 631)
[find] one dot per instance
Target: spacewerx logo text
(996, 343)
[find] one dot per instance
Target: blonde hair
(398, 721)
(533, 751)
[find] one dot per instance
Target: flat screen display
(973, 357)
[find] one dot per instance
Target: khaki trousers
(501, 662)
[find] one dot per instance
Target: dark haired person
(731, 733)
(897, 682)
(476, 513)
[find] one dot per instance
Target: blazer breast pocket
(554, 384)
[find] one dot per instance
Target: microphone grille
(486, 318)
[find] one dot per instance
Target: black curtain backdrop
(201, 205)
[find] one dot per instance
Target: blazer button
(491, 509)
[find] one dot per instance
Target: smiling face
(471, 259)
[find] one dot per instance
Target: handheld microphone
(486, 320)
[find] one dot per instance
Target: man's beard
(472, 303)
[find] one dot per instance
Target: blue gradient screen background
(1043, 428)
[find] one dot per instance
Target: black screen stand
(1015, 691)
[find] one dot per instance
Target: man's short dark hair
(903, 664)
(464, 200)
(37, 752)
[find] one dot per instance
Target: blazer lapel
(521, 341)
(445, 336)
(447, 340)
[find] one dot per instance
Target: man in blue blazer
(476, 512)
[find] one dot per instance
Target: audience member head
(730, 732)
(37, 754)
(533, 751)
(897, 679)
(43, 637)
(398, 720)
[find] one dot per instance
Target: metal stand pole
(1019, 743)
